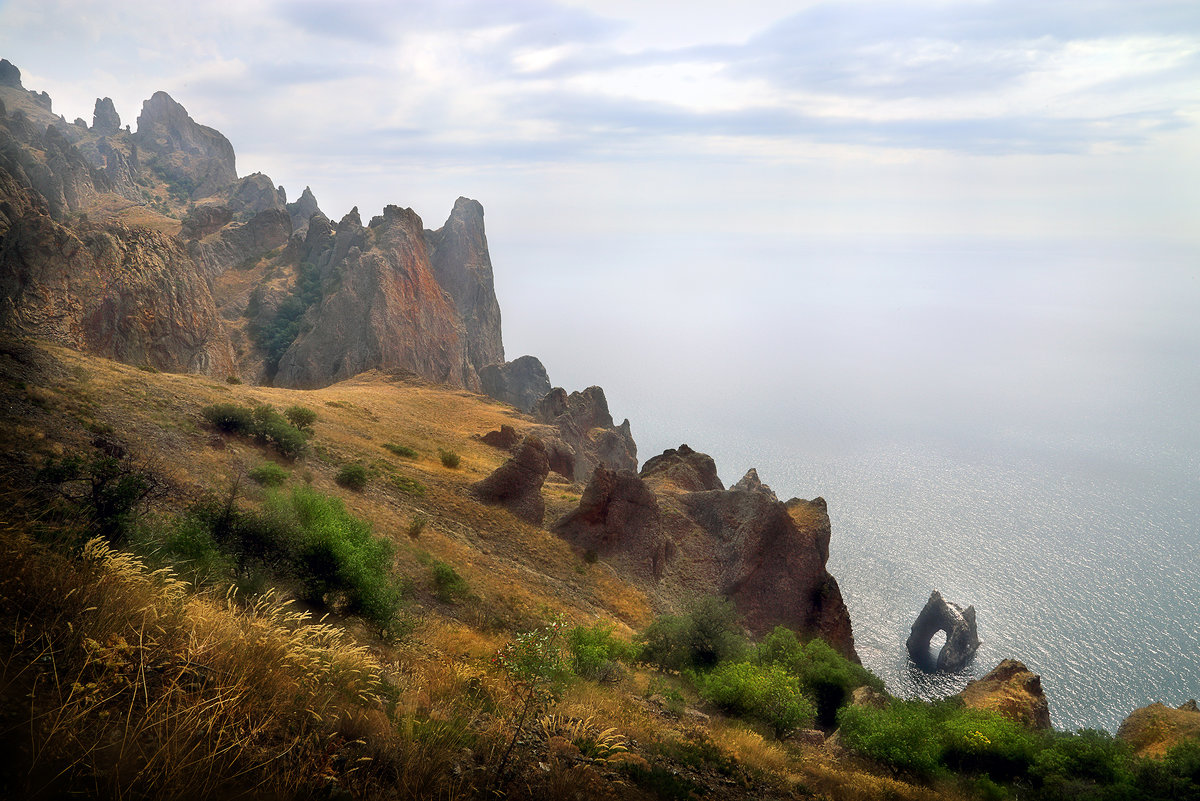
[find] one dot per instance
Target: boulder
(1012, 690)
(685, 468)
(517, 484)
(254, 194)
(505, 439)
(105, 119)
(204, 220)
(521, 383)
(962, 639)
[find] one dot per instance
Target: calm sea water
(1016, 425)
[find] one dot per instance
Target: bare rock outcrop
(585, 424)
(958, 624)
(105, 119)
(517, 484)
(506, 438)
(677, 532)
(9, 74)
(521, 383)
(234, 244)
(752, 483)
(1012, 690)
(458, 255)
(388, 312)
(619, 520)
(302, 209)
(254, 194)
(1153, 730)
(684, 468)
(195, 157)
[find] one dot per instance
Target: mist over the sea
(1013, 423)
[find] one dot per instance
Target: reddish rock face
(677, 532)
(517, 484)
(387, 312)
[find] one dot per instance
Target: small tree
(110, 488)
(536, 665)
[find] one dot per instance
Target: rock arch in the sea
(962, 639)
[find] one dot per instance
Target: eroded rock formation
(196, 157)
(1012, 690)
(517, 484)
(303, 208)
(1153, 730)
(521, 383)
(962, 640)
(585, 426)
(684, 468)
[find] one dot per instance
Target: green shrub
(596, 653)
(827, 676)
(232, 379)
(1175, 777)
(766, 693)
(902, 736)
(401, 450)
(449, 458)
(352, 476)
(409, 486)
(981, 741)
(1078, 765)
(416, 526)
(229, 417)
(300, 416)
(266, 425)
(709, 634)
(110, 492)
(448, 586)
(192, 551)
(269, 474)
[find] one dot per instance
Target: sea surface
(1013, 423)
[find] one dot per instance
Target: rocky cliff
(195, 157)
(679, 532)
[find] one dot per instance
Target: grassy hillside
(190, 613)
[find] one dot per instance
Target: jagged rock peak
(303, 209)
(752, 483)
(191, 153)
(522, 382)
(687, 469)
(105, 119)
(9, 74)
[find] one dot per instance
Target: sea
(1014, 424)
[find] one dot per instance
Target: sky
(809, 200)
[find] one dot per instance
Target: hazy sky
(676, 181)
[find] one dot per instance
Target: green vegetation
(301, 417)
(449, 458)
(402, 450)
(700, 640)
(826, 676)
(409, 486)
(416, 526)
(448, 586)
(109, 490)
(352, 476)
(596, 654)
(263, 423)
(269, 474)
(302, 537)
(276, 333)
(767, 693)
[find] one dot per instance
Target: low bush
(401, 450)
(110, 491)
(448, 586)
(709, 634)
(263, 423)
(353, 477)
(449, 458)
(300, 416)
(596, 653)
(980, 741)
(416, 526)
(827, 676)
(268, 474)
(902, 736)
(767, 693)
(1079, 765)
(409, 486)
